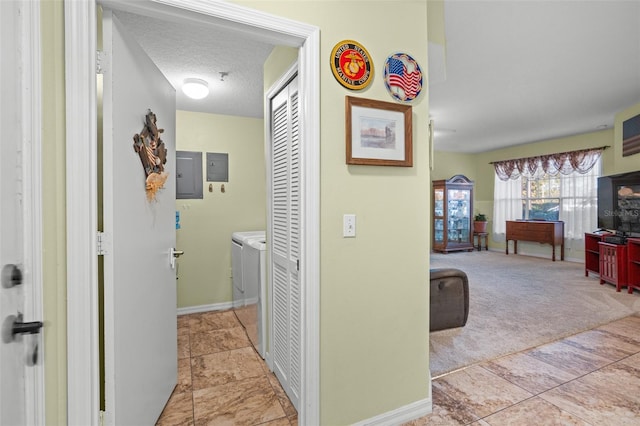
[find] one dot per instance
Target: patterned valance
(580, 161)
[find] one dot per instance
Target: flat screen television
(619, 203)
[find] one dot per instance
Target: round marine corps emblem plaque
(351, 65)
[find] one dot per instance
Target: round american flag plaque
(402, 77)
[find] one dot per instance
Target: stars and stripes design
(403, 84)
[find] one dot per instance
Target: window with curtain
(553, 187)
(507, 205)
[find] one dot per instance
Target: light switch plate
(349, 226)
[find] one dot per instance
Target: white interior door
(12, 374)
(140, 284)
(20, 341)
(285, 240)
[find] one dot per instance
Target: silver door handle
(173, 255)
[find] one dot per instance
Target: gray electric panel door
(188, 174)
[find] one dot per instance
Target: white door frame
(81, 115)
(32, 177)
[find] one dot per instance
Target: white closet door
(285, 240)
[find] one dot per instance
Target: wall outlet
(349, 226)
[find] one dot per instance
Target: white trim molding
(31, 113)
(83, 376)
(80, 54)
(400, 415)
(309, 89)
(205, 308)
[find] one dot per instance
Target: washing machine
(238, 241)
(254, 313)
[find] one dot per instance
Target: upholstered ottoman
(449, 298)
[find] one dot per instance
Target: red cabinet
(633, 264)
(613, 264)
(592, 252)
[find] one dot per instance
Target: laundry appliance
(238, 241)
(253, 315)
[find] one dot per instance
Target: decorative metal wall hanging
(153, 155)
(351, 65)
(402, 77)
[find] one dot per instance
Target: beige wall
(204, 272)
(54, 217)
(278, 62)
(436, 29)
(449, 164)
(374, 288)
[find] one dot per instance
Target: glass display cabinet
(452, 208)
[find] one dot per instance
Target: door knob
(13, 325)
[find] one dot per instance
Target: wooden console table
(539, 231)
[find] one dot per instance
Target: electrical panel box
(188, 175)
(217, 167)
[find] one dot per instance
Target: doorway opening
(82, 324)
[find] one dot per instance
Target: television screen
(619, 203)
(628, 208)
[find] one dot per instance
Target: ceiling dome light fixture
(195, 88)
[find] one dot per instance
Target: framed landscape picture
(378, 133)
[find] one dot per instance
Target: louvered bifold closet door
(285, 240)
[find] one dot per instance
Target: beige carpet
(517, 302)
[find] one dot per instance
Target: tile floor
(221, 379)
(590, 378)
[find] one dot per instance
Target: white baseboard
(251, 301)
(400, 415)
(205, 308)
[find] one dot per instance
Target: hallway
(221, 378)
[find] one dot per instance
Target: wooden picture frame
(378, 133)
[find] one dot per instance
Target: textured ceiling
(512, 72)
(181, 51)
